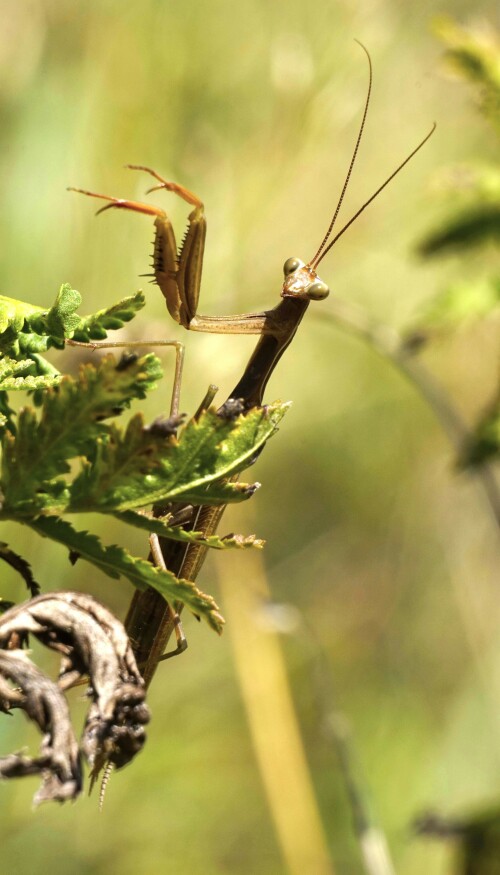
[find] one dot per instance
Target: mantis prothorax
(178, 274)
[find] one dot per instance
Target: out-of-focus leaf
(116, 561)
(484, 444)
(477, 839)
(474, 54)
(478, 225)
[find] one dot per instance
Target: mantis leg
(176, 271)
(179, 360)
(173, 611)
(154, 543)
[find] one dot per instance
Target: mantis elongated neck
(279, 330)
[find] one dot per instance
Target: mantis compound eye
(291, 265)
(317, 291)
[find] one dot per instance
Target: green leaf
(61, 320)
(477, 225)
(177, 533)
(13, 316)
(13, 313)
(116, 561)
(147, 465)
(69, 425)
(26, 328)
(96, 326)
(30, 383)
(10, 367)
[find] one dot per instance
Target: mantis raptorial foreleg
(177, 271)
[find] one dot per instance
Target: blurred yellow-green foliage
(387, 552)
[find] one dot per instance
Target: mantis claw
(108, 207)
(181, 190)
(121, 203)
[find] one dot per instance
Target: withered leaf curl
(93, 644)
(59, 761)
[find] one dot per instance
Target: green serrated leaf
(61, 318)
(13, 313)
(69, 425)
(10, 367)
(26, 329)
(177, 533)
(60, 321)
(30, 383)
(144, 466)
(29, 343)
(220, 492)
(96, 326)
(116, 561)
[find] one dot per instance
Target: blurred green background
(387, 552)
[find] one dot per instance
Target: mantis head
(302, 281)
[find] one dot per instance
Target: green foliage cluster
(473, 220)
(120, 470)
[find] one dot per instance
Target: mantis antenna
(314, 261)
(320, 254)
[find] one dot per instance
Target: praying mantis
(177, 271)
